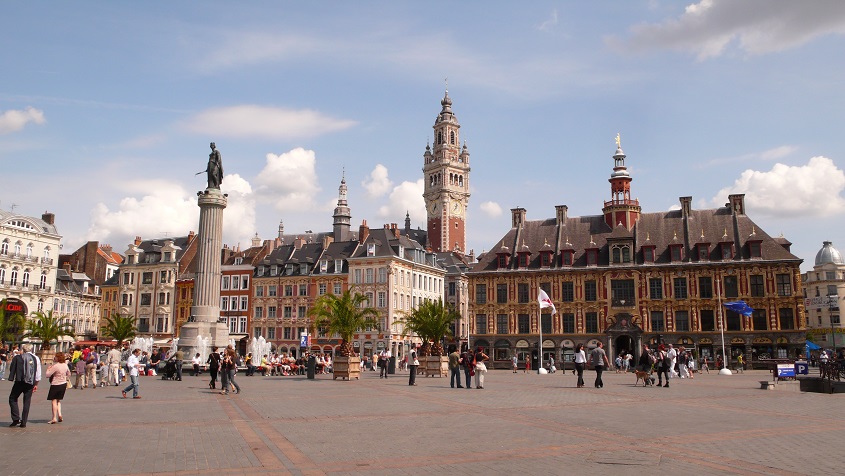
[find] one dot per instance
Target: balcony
(623, 303)
(47, 261)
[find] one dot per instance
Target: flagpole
(540, 346)
(725, 370)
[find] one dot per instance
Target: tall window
(568, 323)
(591, 321)
(481, 323)
(759, 320)
(147, 278)
(523, 324)
(731, 289)
(758, 289)
(655, 288)
(705, 287)
(590, 290)
(481, 294)
(787, 319)
(501, 323)
(784, 285)
(303, 289)
(546, 322)
(522, 292)
(682, 321)
(622, 292)
(680, 288)
(567, 291)
(657, 323)
(734, 321)
(708, 320)
(501, 293)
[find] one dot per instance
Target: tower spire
(621, 208)
(342, 214)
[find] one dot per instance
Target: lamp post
(832, 303)
(724, 370)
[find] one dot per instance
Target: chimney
(363, 232)
(737, 201)
(66, 266)
(138, 241)
(517, 217)
(49, 218)
(106, 249)
(327, 240)
(395, 229)
(686, 206)
(299, 242)
(561, 213)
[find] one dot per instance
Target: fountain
(143, 343)
(173, 347)
(202, 347)
(259, 348)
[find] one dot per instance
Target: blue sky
(107, 109)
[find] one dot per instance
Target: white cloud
(405, 197)
(757, 27)
(811, 190)
(166, 209)
(253, 121)
(14, 120)
(491, 209)
(550, 23)
(239, 216)
(378, 183)
(775, 153)
(289, 180)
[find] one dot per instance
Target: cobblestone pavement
(518, 424)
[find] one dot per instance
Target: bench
(767, 385)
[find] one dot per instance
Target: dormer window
(676, 252)
(726, 250)
(703, 250)
(289, 269)
(755, 248)
(238, 261)
(371, 249)
(621, 254)
(592, 257)
(546, 258)
(303, 269)
(338, 266)
(567, 257)
(523, 260)
(274, 270)
(324, 265)
(261, 270)
(648, 254)
(401, 251)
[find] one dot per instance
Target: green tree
(343, 315)
(431, 321)
(119, 328)
(47, 328)
(11, 324)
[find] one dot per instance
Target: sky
(107, 110)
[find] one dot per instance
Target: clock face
(432, 207)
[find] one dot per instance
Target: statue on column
(214, 168)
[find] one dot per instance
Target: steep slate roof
(72, 282)
(386, 243)
(41, 225)
(658, 229)
(153, 246)
(337, 250)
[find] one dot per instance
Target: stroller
(169, 370)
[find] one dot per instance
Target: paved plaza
(518, 424)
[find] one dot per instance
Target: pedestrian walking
(704, 366)
(134, 365)
(552, 368)
(383, 359)
(92, 362)
(4, 360)
(413, 364)
(213, 362)
(663, 365)
(455, 362)
(58, 375)
(25, 371)
(113, 363)
(80, 373)
(468, 362)
(580, 363)
(599, 359)
(230, 367)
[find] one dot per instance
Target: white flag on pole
(545, 302)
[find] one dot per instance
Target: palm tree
(431, 321)
(47, 328)
(119, 328)
(11, 324)
(343, 315)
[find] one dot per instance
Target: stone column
(205, 312)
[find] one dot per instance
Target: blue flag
(739, 307)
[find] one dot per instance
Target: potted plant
(47, 328)
(343, 315)
(119, 328)
(431, 321)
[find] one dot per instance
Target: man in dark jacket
(25, 371)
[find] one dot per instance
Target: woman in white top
(580, 363)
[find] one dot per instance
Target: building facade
(628, 278)
(147, 284)
(29, 250)
(824, 286)
(78, 301)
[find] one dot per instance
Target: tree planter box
(434, 366)
(347, 368)
(46, 356)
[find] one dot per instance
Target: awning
(812, 346)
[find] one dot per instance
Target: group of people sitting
(285, 364)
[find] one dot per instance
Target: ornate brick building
(625, 278)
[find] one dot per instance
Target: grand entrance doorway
(624, 343)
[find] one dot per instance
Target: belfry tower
(446, 175)
(621, 208)
(342, 213)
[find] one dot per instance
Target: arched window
(4, 247)
(452, 137)
(63, 308)
(439, 137)
(461, 180)
(14, 279)
(29, 250)
(75, 308)
(2, 275)
(47, 253)
(40, 305)
(25, 281)
(43, 283)
(18, 248)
